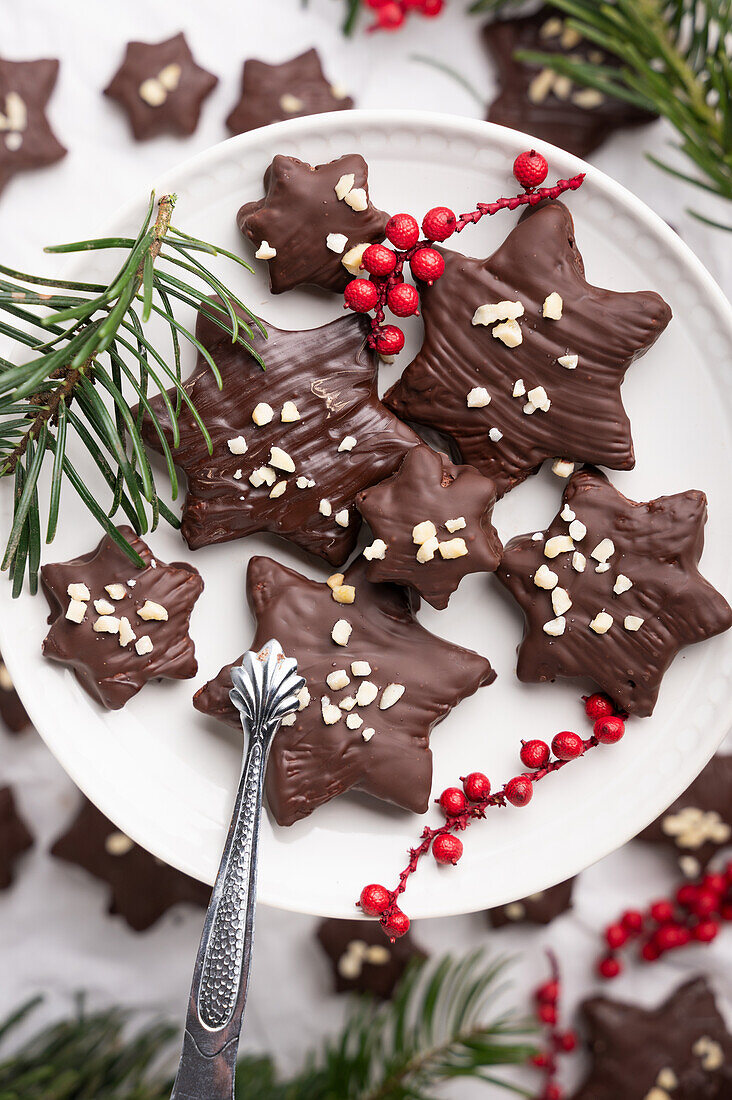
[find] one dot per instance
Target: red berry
(361, 295)
(453, 801)
(725, 911)
(530, 169)
(374, 899)
(716, 883)
(667, 938)
(403, 231)
(403, 300)
(375, 4)
(534, 754)
(519, 790)
(389, 340)
(662, 911)
(548, 993)
(598, 706)
(608, 731)
(706, 903)
(379, 260)
(609, 967)
(427, 265)
(439, 223)
(567, 1042)
(396, 924)
(567, 745)
(389, 17)
(705, 931)
(632, 920)
(650, 952)
(727, 872)
(686, 895)
(552, 1092)
(616, 936)
(476, 786)
(447, 848)
(547, 1014)
(431, 8)
(540, 1060)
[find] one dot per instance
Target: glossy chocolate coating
(272, 93)
(14, 837)
(112, 674)
(657, 546)
(179, 108)
(299, 210)
(363, 958)
(429, 487)
(559, 117)
(12, 711)
(607, 330)
(539, 908)
(635, 1050)
(331, 376)
(142, 887)
(312, 762)
(27, 140)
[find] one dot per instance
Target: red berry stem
(557, 1041)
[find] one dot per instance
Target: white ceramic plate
(166, 775)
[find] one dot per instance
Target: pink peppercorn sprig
(557, 1042)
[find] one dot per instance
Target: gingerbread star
(272, 93)
(363, 959)
(14, 837)
(292, 445)
(142, 887)
(431, 525)
(26, 138)
(12, 711)
(539, 908)
(312, 221)
(117, 626)
(523, 359)
(161, 87)
(699, 823)
(544, 103)
(611, 590)
(680, 1050)
(377, 682)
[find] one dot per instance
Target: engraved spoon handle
(265, 690)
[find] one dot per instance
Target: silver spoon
(265, 691)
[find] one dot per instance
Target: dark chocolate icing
(539, 908)
(312, 762)
(272, 93)
(14, 837)
(656, 546)
(112, 673)
(12, 711)
(299, 211)
(699, 823)
(429, 487)
(26, 140)
(549, 106)
(363, 959)
(330, 374)
(142, 887)
(682, 1048)
(605, 329)
(161, 88)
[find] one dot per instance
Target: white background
(56, 937)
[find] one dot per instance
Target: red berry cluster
(558, 1042)
(390, 14)
(694, 915)
(385, 287)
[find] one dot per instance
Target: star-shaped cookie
(14, 837)
(612, 590)
(699, 823)
(363, 959)
(377, 682)
(292, 445)
(161, 87)
(142, 887)
(308, 221)
(681, 1050)
(544, 103)
(272, 93)
(118, 626)
(523, 359)
(431, 522)
(539, 908)
(12, 711)
(26, 138)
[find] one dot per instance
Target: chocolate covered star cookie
(313, 221)
(26, 138)
(363, 959)
(161, 88)
(699, 823)
(523, 359)
(12, 711)
(681, 1050)
(272, 93)
(142, 887)
(377, 682)
(117, 626)
(547, 104)
(612, 590)
(431, 525)
(539, 908)
(292, 445)
(14, 837)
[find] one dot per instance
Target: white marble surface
(54, 931)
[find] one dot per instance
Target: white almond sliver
(391, 694)
(336, 242)
(344, 593)
(289, 720)
(344, 185)
(281, 460)
(360, 668)
(325, 508)
(303, 697)
(367, 692)
(427, 550)
(604, 550)
(106, 624)
(354, 721)
(103, 607)
(143, 645)
(553, 305)
(453, 548)
(488, 314)
(347, 703)
(579, 561)
(278, 490)
(456, 524)
(555, 627)
(562, 467)
(291, 103)
(338, 679)
(544, 577)
(558, 544)
(352, 259)
(622, 584)
(126, 633)
(377, 549)
(153, 611)
(633, 622)
(577, 530)
(76, 611)
(79, 592)
(495, 435)
(539, 397)
(561, 601)
(367, 734)
(289, 413)
(601, 623)
(509, 333)
(115, 591)
(519, 389)
(342, 518)
(357, 199)
(347, 443)
(478, 398)
(237, 445)
(568, 361)
(423, 531)
(262, 413)
(331, 713)
(265, 251)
